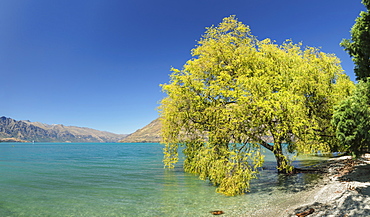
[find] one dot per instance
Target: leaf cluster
(351, 119)
(359, 45)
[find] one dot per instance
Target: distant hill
(39, 132)
(151, 133)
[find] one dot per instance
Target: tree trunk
(283, 165)
(282, 162)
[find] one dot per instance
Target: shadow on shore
(361, 174)
(355, 199)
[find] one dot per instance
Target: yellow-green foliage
(236, 93)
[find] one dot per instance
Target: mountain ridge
(40, 132)
(150, 133)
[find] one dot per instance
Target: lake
(124, 179)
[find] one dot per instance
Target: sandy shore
(344, 191)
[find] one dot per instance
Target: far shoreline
(13, 140)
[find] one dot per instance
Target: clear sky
(99, 63)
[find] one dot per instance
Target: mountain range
(39, 132)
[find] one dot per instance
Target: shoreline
(343, 191)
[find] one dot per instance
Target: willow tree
(239, 96)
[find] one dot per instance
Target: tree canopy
(352, 117)
(239, 96)
(359, 45)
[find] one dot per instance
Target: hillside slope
(151, 133)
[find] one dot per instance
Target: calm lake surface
(123, 179)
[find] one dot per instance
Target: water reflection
(270, 181)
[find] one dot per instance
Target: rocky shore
(343, 192)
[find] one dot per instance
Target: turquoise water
(50, 179)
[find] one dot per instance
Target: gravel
(343, 192)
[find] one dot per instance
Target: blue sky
(99, 63)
